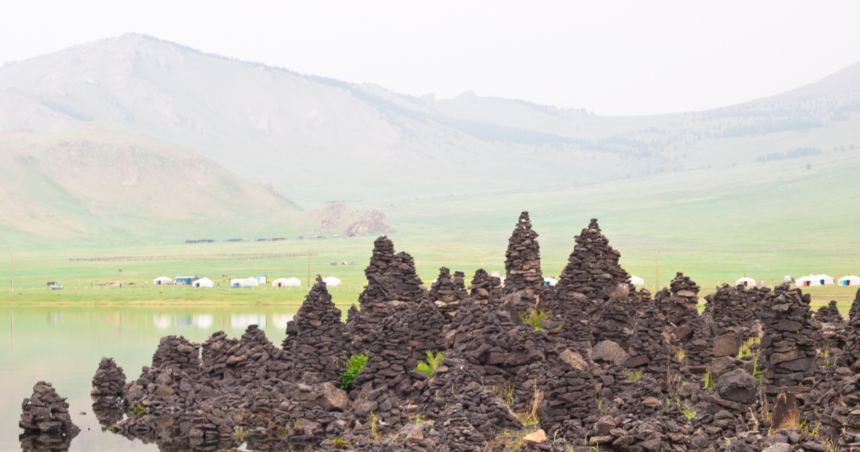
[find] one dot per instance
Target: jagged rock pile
(318, 353)
(729, 310)
(788, 346)
(46, 413)
(570, 399)
(172, 383)
(592, 267)
(447, 292)
(679, 306)
(854, 312)
(612, 321)
(522, 263)
(390, 277)
(485, 288)
(851, 350)
(458, 382)
(648, 347)
(108, 380)
(177, 353)
(828, 314)
(402, 340)
(250, 358)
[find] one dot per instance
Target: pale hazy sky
(609, 57)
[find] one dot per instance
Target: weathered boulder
(738, 386)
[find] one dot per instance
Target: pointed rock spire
(522, 260)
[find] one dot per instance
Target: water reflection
(280, 321)
(242, 321)
(162, 321)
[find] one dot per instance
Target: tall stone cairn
(177, 353)
(447, 292)
(46, 413)
(729, 310)
(613, 321)
(648, 348)
(828, 314)
(522, 260)
(485, 288)
(108, 380)
(678, 304)
(852, 340)
(788, 345)
(592, 268)
(318, 351)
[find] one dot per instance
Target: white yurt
(280, 282)
(252, 281)
(807, 281)
(203, 282)
(849, 280)
(824, 280)
(746, 282)
(637, 281)
(240, 283)
(162, 280)
(331, 281)
(550, 281)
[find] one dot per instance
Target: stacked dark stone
(390, 278)
(318, 350)
(46, 413)
(173, 382)
(648, 348)
(401, 340)
(485, 288)
(252, 358)
(665, 430)
(592, 267)
(570, 400)
(730, 310)
(573, 311)
(523, 276)
(108, 380)
(788, 346)
(178, 433)
(852, 337)
(108, 411)
(447, 292)
(613, 321)
(679, 308)
(457, 382)
(828, 314)
(287, 343)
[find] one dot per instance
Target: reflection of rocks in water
(108, 411)
(46, 421)
(184, 432)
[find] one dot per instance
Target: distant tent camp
(331, 281)
(824, 280)
(550, 281)
(849, 280)
(286, 282)
(242, 283)
(746, 282)
(252, 281)
(162, 280)
(203, 282)
(637, 281)
(806, 281)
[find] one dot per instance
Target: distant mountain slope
(318, 139)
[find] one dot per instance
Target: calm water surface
(63, 346)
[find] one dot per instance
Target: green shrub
(429, 367)
(137, 409)
(354, 365)
(534, 317)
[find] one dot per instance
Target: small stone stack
(447, 292)
(252, 358)
(46, 413)
(485, 288)
(679, 308)
(402, 340)
(648, 348)
(522, 261)
(828, 314)
(592, 267)
(612, 322)
(570, 399)
(788, 346)
(852, 337)
(318, 353)
(390, 277)
(177, 353)
(573, 311)
(108, 380)
(729, 310)
(458, 382)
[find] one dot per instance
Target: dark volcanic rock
(109, 379)
(318, 353)
(485, 288)
(447, 292)
(523, 275)
(46, 414)
(828, 314)
(788, 345)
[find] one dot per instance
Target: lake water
(63, 346)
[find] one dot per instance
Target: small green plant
(418, 419)
(340, 443)
(600, 401)
(239, 434)
(354, 365)
(534, 317)
(137, 409)
(374, 421)
(688, 412)
(746, 347)
(827, 361)
(635, 375)
(429, 367)
(708, 379)
(682, 356)
(506, 392)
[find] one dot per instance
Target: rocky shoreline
(592, 364)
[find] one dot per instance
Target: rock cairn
(108, 380)
(592, 268)
(828, 314)
(570, 399)
(46, 413)
(648, 348)
(252, 357)
(318, 353)
(678, 305)
(177, 353)
(729, 310)
(522, 262)
(854, 312)
(447, 292)
(402, 340)
(788, 345)
(612, 321)
(485, 288)
(851, 355)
